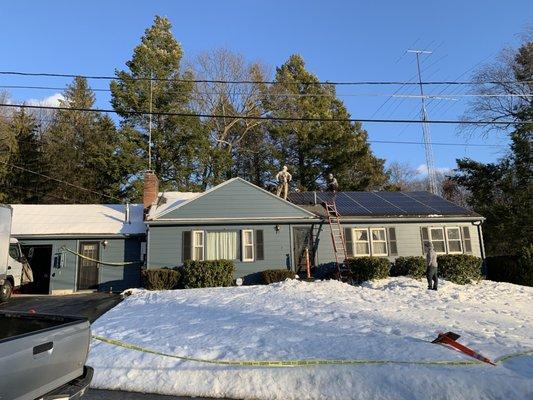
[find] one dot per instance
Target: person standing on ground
(432, 266)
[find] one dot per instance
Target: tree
(312, 149)
(179, 143)
(237, 144)
(85, 149)
(502, 191)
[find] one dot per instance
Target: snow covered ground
(392, 319)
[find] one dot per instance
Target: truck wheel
(5, 291)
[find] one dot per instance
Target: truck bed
(40, 353)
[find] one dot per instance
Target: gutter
(73, 236)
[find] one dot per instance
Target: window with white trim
(453, 237)
(378, 238)
(198, 245)
(247, 240)
(436, 235)
(221, 245)
(361, 243)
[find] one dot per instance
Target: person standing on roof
(432, 266)
(283, 177)
(333, 185)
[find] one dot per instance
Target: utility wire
(59, 180)
(104, 77)
(265, 118)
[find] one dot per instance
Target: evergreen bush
(516, 269)
(414, 267)
(368, 268)
(160, 279)
(460, 268)
(276, 275)
(200, 274)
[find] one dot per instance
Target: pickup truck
(14, 268)
(43, 356)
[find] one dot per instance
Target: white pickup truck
(14, 269)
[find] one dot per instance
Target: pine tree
(179, 143)
(314, 149)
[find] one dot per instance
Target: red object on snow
(450, 338)
(31, 311)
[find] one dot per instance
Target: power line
(394, 95)
(265, 118)
(437, 143)
(104, 77)
(59, 180)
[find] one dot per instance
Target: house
(104, 246)
(108, 238)
(239, 221)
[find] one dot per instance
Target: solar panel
(442, 206)
(407, 204)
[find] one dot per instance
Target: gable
(236, 199)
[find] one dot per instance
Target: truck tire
(5, 291)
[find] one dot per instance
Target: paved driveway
(90, 305)
(93, 394)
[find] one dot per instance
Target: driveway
(94, 394)
(90, 305)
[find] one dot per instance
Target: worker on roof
(332, 184)
(283, 177)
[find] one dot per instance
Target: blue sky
(340, 41)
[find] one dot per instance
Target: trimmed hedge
(200, 274)
(460, 268)
(368, 268)
(516, 269)
(160, 279)
(276, 275)
(414, 267)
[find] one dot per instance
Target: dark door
(87, 268)
(302, 238)
(40, 260)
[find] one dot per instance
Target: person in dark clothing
(332, 184)
(432, 266)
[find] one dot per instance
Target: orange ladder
(337, 238)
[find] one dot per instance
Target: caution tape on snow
(303, 362)
(116, 264)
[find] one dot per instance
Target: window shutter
(393, 247)
(424, 236)
(259, 245)
(467, 240)
(348, 241)
(187, 246)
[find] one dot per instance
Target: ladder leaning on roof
(338, 240)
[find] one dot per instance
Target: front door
(303, 237)
(87, 266)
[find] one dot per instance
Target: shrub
(368, 268)
(414, 267)
(160, 279)
(516, 269)
(459, 268)
(276, 275)
(199, 274)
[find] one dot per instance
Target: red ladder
(337, 238)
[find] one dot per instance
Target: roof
(171, 201)
(76, 219)
(382, 204)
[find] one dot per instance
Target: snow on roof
(170, 200)
(76, 219)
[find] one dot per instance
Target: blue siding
(237, 199)
(165, 247)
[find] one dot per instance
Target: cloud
(423, 169)
(50, 101)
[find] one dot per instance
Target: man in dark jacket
(432, 266)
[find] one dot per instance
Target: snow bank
(391, 319)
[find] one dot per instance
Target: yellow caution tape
(305, 362)
(118, 264)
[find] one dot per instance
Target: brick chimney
(151, 188)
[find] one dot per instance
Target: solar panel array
(382, 203)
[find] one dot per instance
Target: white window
(198, 245)
(453, 236)
(221, 245)
(361, 245)
(378, 239)
(436, 235)
(247, 245)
